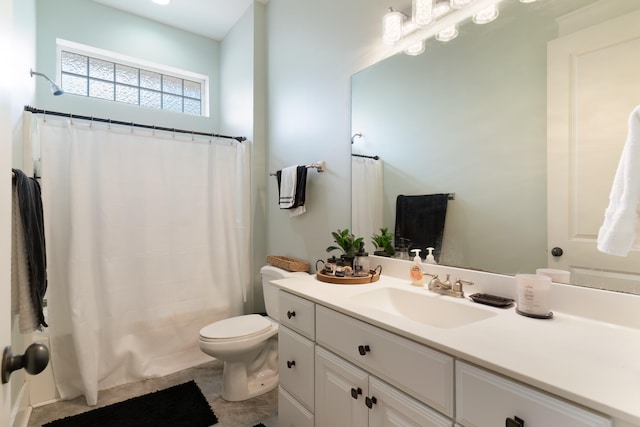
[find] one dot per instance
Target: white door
(5, 224)
(6, 133)
(593, 85)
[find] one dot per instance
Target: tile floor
(261, 409)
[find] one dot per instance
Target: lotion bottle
(430, 258)
(417, 276)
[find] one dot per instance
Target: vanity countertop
(591, 362)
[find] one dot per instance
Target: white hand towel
(288, 180)
(620, 232)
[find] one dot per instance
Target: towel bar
(319, 166)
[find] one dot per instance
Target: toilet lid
(234, 327)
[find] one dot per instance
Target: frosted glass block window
(91, 72)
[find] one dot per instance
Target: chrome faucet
(446, 288)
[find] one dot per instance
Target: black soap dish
(492, 300)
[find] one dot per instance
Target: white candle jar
(533, 295)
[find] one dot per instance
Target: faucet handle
(459, 286)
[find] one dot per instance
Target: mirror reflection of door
(593, 85)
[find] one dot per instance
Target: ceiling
(209, 18)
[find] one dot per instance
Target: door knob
(557, 251)
(34, 360)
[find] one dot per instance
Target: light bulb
(459, 4)
(447, 34)
(415, 49)
(486, 15)
(392, 27)
(441, 8)
(527, 1)
(422, 12)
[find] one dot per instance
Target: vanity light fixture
(162, 2)
(434, 18)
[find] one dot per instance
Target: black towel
(301, 186)
(420, 219)
(30, 203)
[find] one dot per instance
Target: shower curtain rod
(139, 125)
(366, 157)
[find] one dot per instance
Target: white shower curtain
(366, 196)
(147, 242)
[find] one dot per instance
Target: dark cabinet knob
(356, 392)
(291, 364)
(291, 314)
(557, 251)
(514, 422)
(363, 349)
(370, 401)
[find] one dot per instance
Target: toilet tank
(269, 273)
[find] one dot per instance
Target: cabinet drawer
(484, 399)
(296, 365)
(297, 313)
(291, 413)
(421, 372)
(394, 408)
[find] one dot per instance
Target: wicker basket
(286, 263)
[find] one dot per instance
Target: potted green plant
(347, 242)
(383, 242)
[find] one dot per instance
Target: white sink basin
(433, 311)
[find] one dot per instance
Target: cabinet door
(484, 399)
(395, 409)
(341, 389)
(295, 365)
(291, 413)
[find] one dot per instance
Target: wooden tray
(347, 280)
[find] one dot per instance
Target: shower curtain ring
(71, 118)
(91, 123)
(109, 124)
(131, 127)
(44, 116)
(192, 136)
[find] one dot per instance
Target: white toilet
(248, 345)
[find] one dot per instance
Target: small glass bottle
(361, 262)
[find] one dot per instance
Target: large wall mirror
(469, 117)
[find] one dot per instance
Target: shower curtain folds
(146, 237)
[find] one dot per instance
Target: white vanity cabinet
(296, 344)
(484, 399)
(349, 396)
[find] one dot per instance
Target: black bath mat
(181, 405)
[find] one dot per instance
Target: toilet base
(237, 387)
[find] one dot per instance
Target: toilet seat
(247, 326)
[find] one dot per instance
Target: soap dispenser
(417, 276)
(430, 259)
